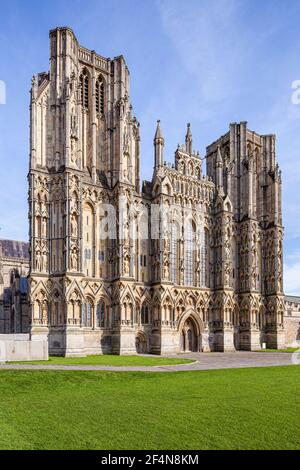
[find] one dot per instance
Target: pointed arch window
(83, 314)
(84, 89)
(100, 96)
(145, 314)
(189, 254)
(174, 253)
(87, 314)
(89, 311)
(100, 314)
(204, 252)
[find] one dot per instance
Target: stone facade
(209, 278)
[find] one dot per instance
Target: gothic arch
(190, 328)
(85, 87)
(141, 342)
(100, 88)
(193, 314)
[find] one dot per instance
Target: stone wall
(292, 331)
(19, 347)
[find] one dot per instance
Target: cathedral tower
(243, 165)
(84, 155)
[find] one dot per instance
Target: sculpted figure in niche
(74, 125)
(74, 260)
(44, 261)
(126, 265)
(38, 261)
(44, 312)
(227, 249)
(74, 204)
(73, 151)
(44, 227)
(167, 243)
(166, 271)
(74, 225)
(126, 231)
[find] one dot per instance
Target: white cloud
(292, 276)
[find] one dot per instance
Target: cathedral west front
(186, 261)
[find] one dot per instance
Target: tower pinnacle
(159, 143)
(189, 140)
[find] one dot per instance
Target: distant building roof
(14, 249)
(293, 299)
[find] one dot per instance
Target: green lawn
(255, 408)
(286, 350)
(110, 360)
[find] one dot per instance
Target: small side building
(292, 321)
(14, 267)
(16, 343)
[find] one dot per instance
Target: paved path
(205, 361)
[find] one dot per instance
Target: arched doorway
(190, 337)
(141, 344)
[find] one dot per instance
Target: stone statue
(73, 151)
(44, 227)
(44, 261)
(38, 261)
(166, 271)
(126, 265)
(74, 260)
(74, 226)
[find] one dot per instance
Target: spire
(189, 140)
(158, 146)
(158, 133)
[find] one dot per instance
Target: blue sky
(208, 62)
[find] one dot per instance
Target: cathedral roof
(292, 298)
(14, 249)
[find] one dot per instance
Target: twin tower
(208, 275)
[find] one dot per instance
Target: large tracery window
(100, 314)
(100, 96)
(204, 250)
(189, 254)
(87, 314)
(174, 254)
(84, 89)
(145, 314)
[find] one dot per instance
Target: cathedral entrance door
(189, 338)
(141, 344)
